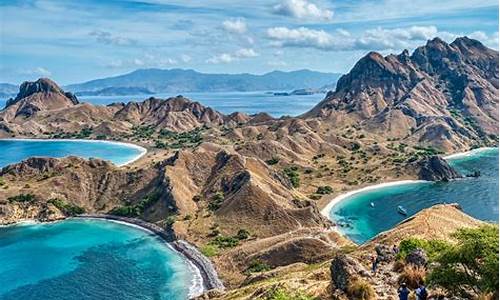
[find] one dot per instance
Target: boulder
(344, 269)
(384, 253)
(417, 257)
(435, 168)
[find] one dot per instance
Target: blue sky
(73, 41)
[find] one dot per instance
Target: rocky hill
(247, 190)
(443, 95)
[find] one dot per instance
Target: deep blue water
(13, 151)
(89, 259)
(228, 102)
(477, 196)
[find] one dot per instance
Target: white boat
(372, 204)
(402, 210)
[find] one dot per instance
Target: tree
(471, 265)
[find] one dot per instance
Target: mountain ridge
(188, 80)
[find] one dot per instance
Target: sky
(73, 41)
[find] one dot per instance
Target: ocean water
(89, 259)
(13, 151)
(228, 102)
(477, 196)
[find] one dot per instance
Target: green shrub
(216, 201)
(293, 174)
(137, 209)
(225, 241)
(22, 198)
(256, 266)
(272, 161)
(282, 294)
(471, 265)
(2, 181)
(209, 250)
(242, 234)
(67, 208)
(324, 190)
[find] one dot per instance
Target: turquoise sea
(477, 197)
(89, 259)
(13, 151)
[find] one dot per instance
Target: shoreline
(202, 266)
(141, 149)
(342, 197)
(469, 153)
(326, 210)
(204, 275)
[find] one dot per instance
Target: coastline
(326, 210)
(469, 153)
(342, 197)
(141, 149)
(205, 276)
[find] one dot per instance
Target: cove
(90, 259)
(16, 150)
(478, 197)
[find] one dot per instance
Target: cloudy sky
(77, 40)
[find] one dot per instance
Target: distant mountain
(8, 90)
(180, 80)
(116, 91)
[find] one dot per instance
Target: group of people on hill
(420, 292)
(403, 291)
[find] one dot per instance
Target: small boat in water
(372, 204)
(402, 210)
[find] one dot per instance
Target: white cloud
(185, 58)
(304, 37)
(230, 57)
(277, 63)
(302, 9)
(221, 58)
(38, 71)
(235, 26)
(146, 61)
(372, 39)
(109, 39)
(380, 39)
(245, 53)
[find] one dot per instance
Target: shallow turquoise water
(477, 196)
(88, 259)
(13, 151)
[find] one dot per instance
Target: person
(403, 292)
(395, 249)
(421, 292)
(374, 264)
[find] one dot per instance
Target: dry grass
(360, 290)
(412, 276)
(398, 266)
(485, 296)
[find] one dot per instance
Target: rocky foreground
(247, 190)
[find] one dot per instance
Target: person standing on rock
(403, 292)
(374, 263)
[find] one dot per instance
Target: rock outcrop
(33, 97)
(345, 269)
(435, 168)
(443, 95)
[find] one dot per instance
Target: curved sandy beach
(342, 197)
(142, 150)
